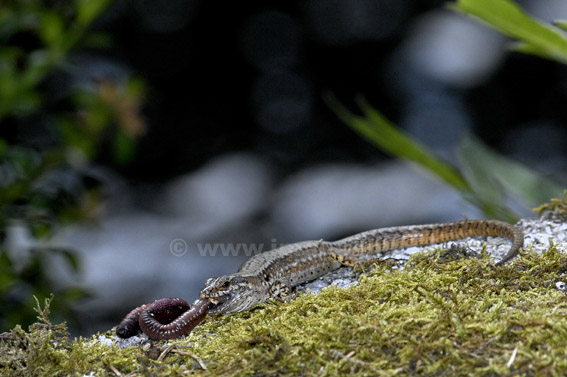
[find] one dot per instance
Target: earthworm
(161, 320)
(167, 318)
(130, 326)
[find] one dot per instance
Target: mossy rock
(442, 314)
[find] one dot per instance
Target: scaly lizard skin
(275, 273)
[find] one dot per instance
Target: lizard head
(230, 293)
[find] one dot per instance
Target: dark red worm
(167, 318)
(130, 326)
(155, 328)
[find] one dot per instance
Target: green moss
(461, 317)
(556, 205)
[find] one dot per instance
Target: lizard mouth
(218, 303)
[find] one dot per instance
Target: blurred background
(146, 130)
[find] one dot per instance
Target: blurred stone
(453, 49)
(333, 200)
(17, 243)
(548, 10)
(225, 190)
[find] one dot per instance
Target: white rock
(228, 188)
(324, 201)
(453, 49)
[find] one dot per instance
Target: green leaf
(488, 194)
(88, 10)
(485, 178)
(477, 170)
(508, 18)
(70, 257)
(562, 24)
(8, 276)
(38, 64)
(124, 147)
(96, 40)
(493, 173)
(376, 128)
(75, 140)
(52, 29)
(3, 148)
(40, 229)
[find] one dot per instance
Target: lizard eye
(226, 284)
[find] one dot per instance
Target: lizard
(275, 273)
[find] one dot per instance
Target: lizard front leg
(280, 291)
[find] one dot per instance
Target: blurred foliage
(57, 28)
(533, 36)
(556, 206)
(45, 187)
(484, 178)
